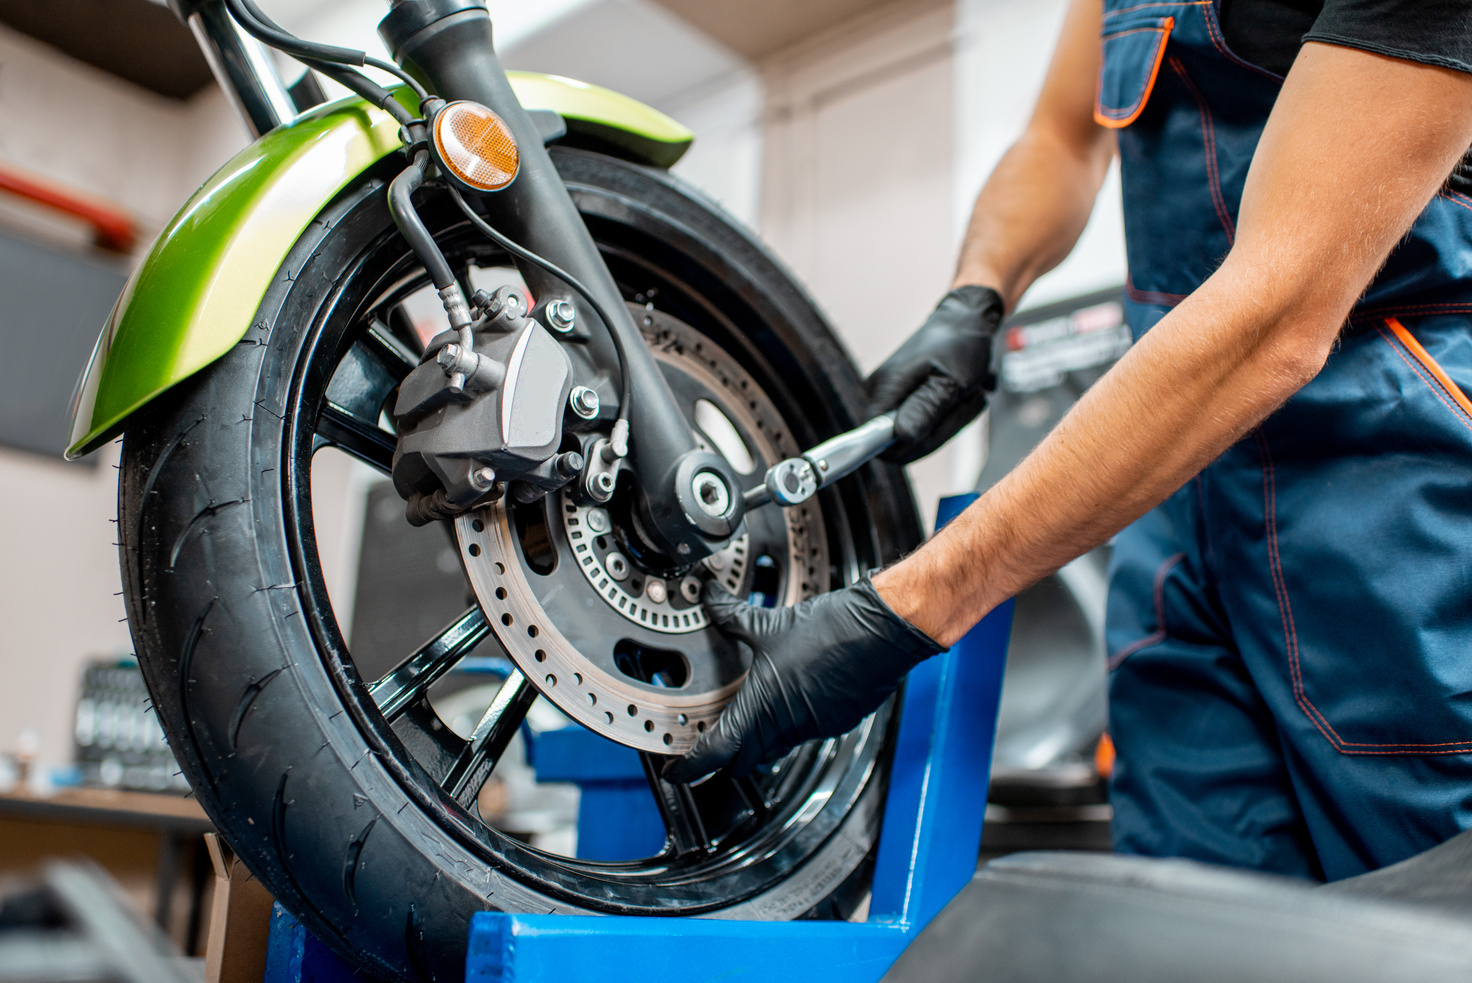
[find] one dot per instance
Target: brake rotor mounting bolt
(617, 566)
(584, 402)
(716, 561)
(561, 316)
(657, 591)
(690, 589)
(597, 520)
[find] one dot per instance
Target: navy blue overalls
(1290, 634)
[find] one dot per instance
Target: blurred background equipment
(119, 741)
(72, 925)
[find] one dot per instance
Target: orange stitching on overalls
(1208, 138)
(1159, 634)
(1290, 633)
(1280, 591)
(1151, 296)
(1103, 117)
(1438, 386)
(1213, 30)
(1457, 198)
(1145, 6)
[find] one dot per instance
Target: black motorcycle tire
(309, 795)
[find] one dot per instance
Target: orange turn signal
(476, 146)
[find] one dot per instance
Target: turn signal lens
(476, 146)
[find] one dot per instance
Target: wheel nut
(657, 591)
(583, 402)
(617, 566)
(690, 589)
(597, 520)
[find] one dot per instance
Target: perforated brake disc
(624, 647)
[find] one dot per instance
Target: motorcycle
(486, 287)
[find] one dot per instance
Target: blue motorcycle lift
(927, 852)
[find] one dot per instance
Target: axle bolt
(711, 494)
(584, 402)
(561, 316)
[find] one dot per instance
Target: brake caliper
(461, 445)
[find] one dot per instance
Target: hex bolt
(603, 483)
(711, 494)
(597, 520)
(561, 316)
(483, 477)
(617, 566)
(690, 589)
(583, 402)
(657, 591)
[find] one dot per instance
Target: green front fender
(193, 296)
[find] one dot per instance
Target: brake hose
(328, 59)
(621, 427)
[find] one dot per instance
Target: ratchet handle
(798, 479)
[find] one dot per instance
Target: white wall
(58, 568)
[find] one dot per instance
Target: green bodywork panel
(195, 293)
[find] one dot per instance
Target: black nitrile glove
(817, 670)
(940, 377)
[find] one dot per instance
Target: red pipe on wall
(114, 228)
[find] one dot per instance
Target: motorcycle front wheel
(331, 769)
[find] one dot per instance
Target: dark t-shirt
(1436, 32)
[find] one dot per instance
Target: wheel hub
(624, 649)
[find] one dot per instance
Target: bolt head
(597, 520)
(561, 316)
(584, 402)
(657, 591)
(483, 477)
(603, 483)
(617, 566)
(690, 589)
(711, 494)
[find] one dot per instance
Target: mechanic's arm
(1038, 199)
(1356, 146)
(1027, 219)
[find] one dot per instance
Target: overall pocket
(1134, 46)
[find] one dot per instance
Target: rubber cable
(627, 395)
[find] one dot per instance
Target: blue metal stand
(927, 853)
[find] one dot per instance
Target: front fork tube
(448, 45)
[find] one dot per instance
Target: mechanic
(1287, 447)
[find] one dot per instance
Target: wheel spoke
(751, 793)
(356, 436)
(381, 342)
(412, 678)
(490, 737)
(677, 808)
(401, 328)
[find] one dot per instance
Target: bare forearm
(1031, 211)
(1134, 438)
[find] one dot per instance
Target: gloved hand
(940, 377)
(817, 670)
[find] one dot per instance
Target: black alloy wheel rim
(357, 337)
